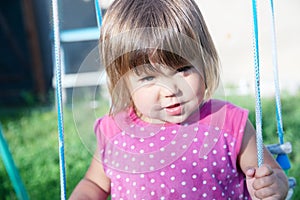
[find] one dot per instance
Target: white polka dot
(173, 154)
(195, 151)
(142, 163)
(142, 151)
(183, 196)
(172, 166)
(162, 138)
(133, 159)
(143, 188)
(162, 149)
(183, 171)
(195, 139)
(152, 134)
(119, 188)
(217, 128)
(152, 193)
(151, 144)
(124, 144)
(127, 180)
(184, 146)
(142, 128)
(172, 190)
(125, 156)
(205, 145)
(151, 156)
(183, 183)
(173, 142)
(225, 134)
(162, 185)
(172, 178)
(224, 146)
(162, 161)
(116, 142)
(134, 183)
(194, 176)
(206, 133)
(162, 173)
(214, 188)
(214, 163)
(223, 158)
(204, 182)
(142, 139)
(204, 195)
(116, 153)
(196, 129)
(152, 180)
(162, 128)
(128, 192)
(222, 170)
(142, 176)
(215, 139)
(183, 158)
(174, 131)
(215, 151)
(151, 168)
(185, 135)
(194, 164)
(205, 157)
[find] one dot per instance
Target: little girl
(165, 138)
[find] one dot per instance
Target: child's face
(166, 95)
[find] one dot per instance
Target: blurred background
(27, 102)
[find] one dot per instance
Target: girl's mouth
(174, 109)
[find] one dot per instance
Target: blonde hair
(172, 32)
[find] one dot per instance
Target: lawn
(32, 137)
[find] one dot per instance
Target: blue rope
(57, 64)
(282, 159)
(276, 79)
(258, 108)
(98, 13)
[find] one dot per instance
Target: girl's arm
(94, 185)
(267, 181)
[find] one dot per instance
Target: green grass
(33, 141)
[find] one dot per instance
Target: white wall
(231, 26)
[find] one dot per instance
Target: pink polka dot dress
(193, 160)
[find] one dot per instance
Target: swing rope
(57, 64)
(258, 107)
(281, 149)
(276, 79)
(282, 159)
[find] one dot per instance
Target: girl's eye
(185, 69)
(147, 79)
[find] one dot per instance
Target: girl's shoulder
(223, 114)
(106, 125)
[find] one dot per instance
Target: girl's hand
(263, 183)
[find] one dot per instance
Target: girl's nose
(169, 88)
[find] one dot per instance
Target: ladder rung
(78, 35)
